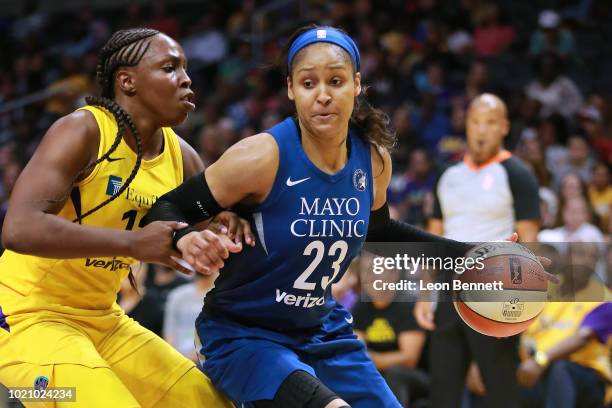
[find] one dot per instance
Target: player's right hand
(473, 380)
(424, 314)
(153, 244)
(205, 250)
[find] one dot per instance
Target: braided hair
(124, 49)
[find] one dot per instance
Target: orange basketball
(503, 293)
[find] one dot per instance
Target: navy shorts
(250, 363)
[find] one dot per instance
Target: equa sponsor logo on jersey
(142, 200)
(113, 186)
(348, 227)
(113, 264)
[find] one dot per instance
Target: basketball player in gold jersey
(72, 232)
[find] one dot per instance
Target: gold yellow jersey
(560, 320)
(30, 283)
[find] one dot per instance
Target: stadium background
(423, 61)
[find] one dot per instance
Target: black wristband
(178, 234)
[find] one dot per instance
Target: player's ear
(357, 84)
(506, 127)
(126, 80)
(289, 90)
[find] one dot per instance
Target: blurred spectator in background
(134, 16)
(163, 280)
(451, 146)
(600, 194)
(407, 139)
(183, 306)
(68, 91)
(86, 34)
(552, 131)
(492, 36)
(212, 144)
(407, 191)
(430, 122)
(549, 206)
(31, 23)
(163, 22)
(9, 172)
(529, 150)
(236, 67)
(477, 81)
(591, 120)
(576, 227)
(552, 37)
(141, 303)
(206, 44)
(393, 338)
(556, 92)
(569, 360)
(579, 160)
(572, 186)
(432, 83)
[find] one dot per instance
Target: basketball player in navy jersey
(314, 187)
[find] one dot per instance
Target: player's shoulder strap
(173, 146)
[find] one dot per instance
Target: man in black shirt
(393, 338)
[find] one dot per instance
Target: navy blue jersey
(309, 228)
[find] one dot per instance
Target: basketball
(519, 295)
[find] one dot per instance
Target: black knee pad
(300, 390)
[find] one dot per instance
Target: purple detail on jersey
(3, 324)
(600, 321)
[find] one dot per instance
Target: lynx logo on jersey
(114, 184)
(359, 180)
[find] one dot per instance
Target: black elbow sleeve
(379, 222)
(191, 202)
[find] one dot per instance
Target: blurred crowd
(422, 61)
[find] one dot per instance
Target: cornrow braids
(125, 48)
(121, 117)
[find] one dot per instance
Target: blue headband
(324, 34)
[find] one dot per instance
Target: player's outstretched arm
(382, 228)
(32, 226)
(243, 174)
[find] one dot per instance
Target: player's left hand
(206, 251)
(236, 228)
(529, 372)
(543, 260)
